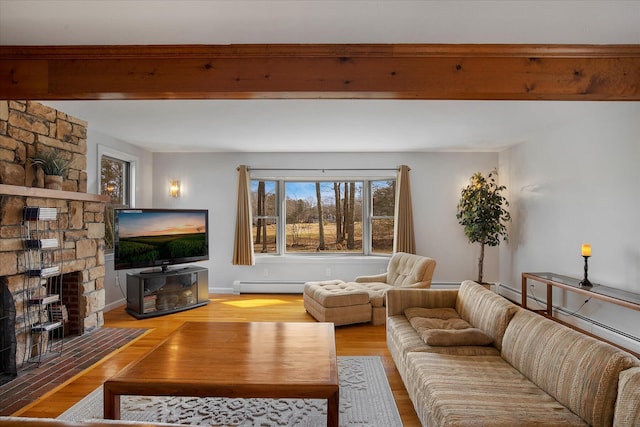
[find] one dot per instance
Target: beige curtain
(404, 238)
(243, 243)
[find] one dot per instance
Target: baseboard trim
(115, 304)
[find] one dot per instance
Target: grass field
(146, 249)
(304, 237)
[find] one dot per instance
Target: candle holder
(585, 283)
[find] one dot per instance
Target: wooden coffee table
(215, 359)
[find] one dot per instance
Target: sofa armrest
(382, 278)
(399, 299)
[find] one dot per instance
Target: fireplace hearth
(26, 129)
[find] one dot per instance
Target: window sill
(320, 259)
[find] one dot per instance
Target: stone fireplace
(25, 129)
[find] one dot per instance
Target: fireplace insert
(8, 366)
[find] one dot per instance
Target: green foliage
(133, 252)
(187, 246)
(52, 162)
(482, 212)
(151, 248)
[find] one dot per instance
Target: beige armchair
(364, 300)
(405, 270)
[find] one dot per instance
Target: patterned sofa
(469, 357)
(363, 300)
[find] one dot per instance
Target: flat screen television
(160, 237)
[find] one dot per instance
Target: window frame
(130, 180)
(367, 213)
(275, 217)
(372, 217)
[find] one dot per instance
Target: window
(116, 181)
(328, 217)
(264, 205)
(383, 202)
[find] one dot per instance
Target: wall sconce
(174, 189)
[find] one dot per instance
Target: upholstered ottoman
(337, 302)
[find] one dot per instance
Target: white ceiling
(319, 125)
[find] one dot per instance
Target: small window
(116, 181)
(383, 202)
(265, 216)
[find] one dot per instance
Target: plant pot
(53, 182)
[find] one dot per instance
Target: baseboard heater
(294, 286)
(593, 326)
(268, 287)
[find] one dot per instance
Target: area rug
(365, 400)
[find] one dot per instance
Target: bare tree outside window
(265, 216)
(114, 182)
(382, 215)
(314, 220)
(323, 216)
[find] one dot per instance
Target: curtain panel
(243, 242)
(404, 235)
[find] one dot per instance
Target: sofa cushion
(450, 390)
(455, 337)
(433, 313)
(628, 400)
(422, 323)
(402, 338)
(577, 370)
(445, 328)
(485, 310)
(377, 292)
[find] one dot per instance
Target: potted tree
(482, 212)
(54, 165)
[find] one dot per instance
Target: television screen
(160, 237)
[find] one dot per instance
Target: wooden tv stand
(151, 294)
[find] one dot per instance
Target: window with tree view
(341, 216)
(264, 206)
(114, 182)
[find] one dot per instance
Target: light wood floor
(353, 340)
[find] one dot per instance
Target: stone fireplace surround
(25, 128)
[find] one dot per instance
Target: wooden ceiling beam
(365, 71)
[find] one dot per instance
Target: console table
(600, 292)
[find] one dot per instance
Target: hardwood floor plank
(351, 340)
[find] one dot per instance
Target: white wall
(115, 281)
(209, 181)
(578, 183)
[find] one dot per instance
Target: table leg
(111, 404)
(333, 405)
(524, 292)
(549, 300)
